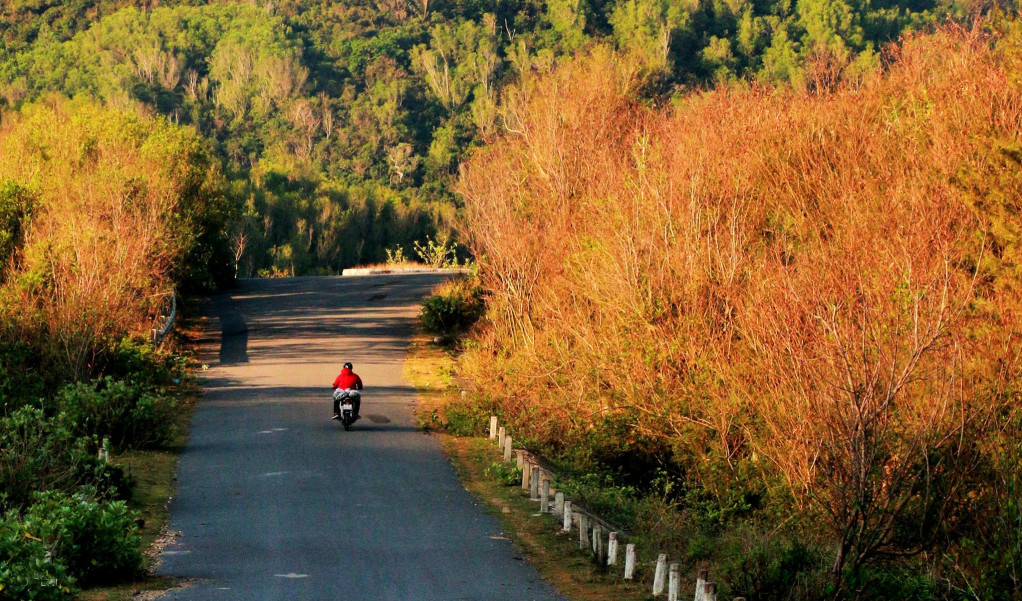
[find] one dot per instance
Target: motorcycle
(347, 408)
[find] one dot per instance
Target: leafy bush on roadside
(506, 473)
(97, 540)
(123, 411)
(453, 308)
(40, 453)
(28, 571)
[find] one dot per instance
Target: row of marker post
(666, 577)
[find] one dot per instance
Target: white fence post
(583, 531)
(566, 517)
(701, 577)
(501, 433)
(629, 561)
(660, 575)
(526, 476)
(612, 549)
(674, 581)
(534, 483)
(507, 448)
(559, 503)
(520, 458)
(493, 427)
(710, 591)
(544, 496)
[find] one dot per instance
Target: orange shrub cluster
(821, 286)
(117, 203)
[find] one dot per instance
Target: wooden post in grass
(493, 427)
(629, 561)
(701, 577)
(674, 581)
(559, 503)
(566, 517)
(612, 549)
(583, 531)
(544, 496)
(660, 575)
(710, 591)
(507, 448)
(526, 468)
(534, 483)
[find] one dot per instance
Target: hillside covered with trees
(341, 125)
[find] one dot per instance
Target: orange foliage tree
(819, 283)
(119, 200)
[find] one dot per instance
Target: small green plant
(396, 255)
(439, 252)
(506, 474)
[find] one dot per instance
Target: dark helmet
(348, 365)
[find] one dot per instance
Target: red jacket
(348, 379)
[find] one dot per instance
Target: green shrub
(28, 571)
(453, 308)
(762, 565)
(120, 410)
(97, 540)
(141, 363)
(506, 474)
(40, 453)
(20, 380)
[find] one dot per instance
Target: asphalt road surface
(276, 501)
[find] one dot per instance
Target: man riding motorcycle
(347, 384)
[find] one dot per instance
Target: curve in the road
(276, 501)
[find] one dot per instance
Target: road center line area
(276, 501)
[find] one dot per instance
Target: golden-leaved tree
(817, 285)
(119, 200)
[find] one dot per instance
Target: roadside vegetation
(105, 213)
(772, 331)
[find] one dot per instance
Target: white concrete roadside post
(559, 503)
(674, 581)
(660, 575)
(599, 546)
(501, 433)
(544, 496)
(520, 459)
(493, 427)
(710, 591)
(629, 561)
(612, 549)
(701, 577)
(507, 448)
(583, 531)
(566, 517)
(526, 468)
(534, 483)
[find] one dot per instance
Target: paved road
(276, 501)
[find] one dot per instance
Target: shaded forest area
(342, 125)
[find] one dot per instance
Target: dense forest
(791, 225)
(341, 126)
